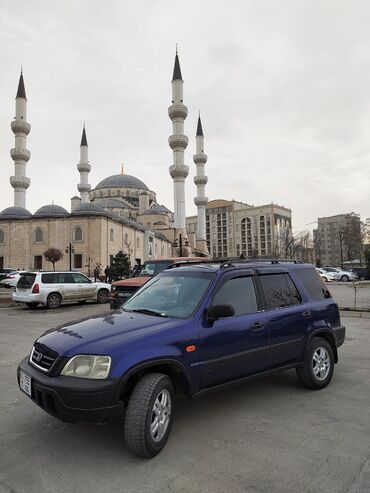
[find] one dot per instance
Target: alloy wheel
(321, 363)
(161, 414)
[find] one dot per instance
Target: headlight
(86, 366)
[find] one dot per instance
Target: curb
(354, 313)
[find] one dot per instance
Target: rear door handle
(257, 326)
(306, 314)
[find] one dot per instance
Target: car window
(279, 291)
(240, 293)
(80, 278)
(65, 278)
(313, 283)
(49, 278)
(26, 280)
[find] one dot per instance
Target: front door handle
(306, 314)
(257, 326)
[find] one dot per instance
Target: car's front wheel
(344, 278)
(318, 364)
(149, 415)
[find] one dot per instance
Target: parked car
(122, 290)
(54, 288)
(326, 276)
(11, 280)
(193, 328)
(341, 275)
(361, 272)
(5, 272)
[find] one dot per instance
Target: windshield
(171, 294)
(154, 268)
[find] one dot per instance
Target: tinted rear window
(313, 283)
(279, 291)
(26, 280)
(49, 278)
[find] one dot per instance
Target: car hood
(100, 334)
(133, 281)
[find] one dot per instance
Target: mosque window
(77, 234)
(111, 235)
(2, 237)
(39, 237)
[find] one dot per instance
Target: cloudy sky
(283, 88)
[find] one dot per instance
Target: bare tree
(53, 255)
(287, 242)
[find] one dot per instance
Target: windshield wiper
(146, 311)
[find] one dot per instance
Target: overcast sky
(283, 88)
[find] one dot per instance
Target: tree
(367, 260)
(53, 255)
(120, 266)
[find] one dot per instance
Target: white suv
(341, 275)
(53, 288)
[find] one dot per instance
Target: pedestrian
(137, 267)
(107, 274)
(96, 273)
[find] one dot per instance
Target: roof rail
(233, 261)
(182, 263)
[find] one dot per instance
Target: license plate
(25, 383)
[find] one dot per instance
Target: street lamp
(69, 250)
(179, 243)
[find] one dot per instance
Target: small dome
(15, 212)
(111, 203)
(121, 181)
(157, 209)
(51, 210)
(89, 208)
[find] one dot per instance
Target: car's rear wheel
(102, 296)
(149, 415)
(318, 364)
(54, 301)
(32, 305)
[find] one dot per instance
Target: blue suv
(193, 328)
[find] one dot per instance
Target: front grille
(126, 289)
(43, 357)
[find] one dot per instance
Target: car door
(236, 346)
(66, 286)
(85, 288)
(287, 317)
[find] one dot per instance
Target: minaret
(178, 143)
(201, 201)
(19, 153)
(84, 168)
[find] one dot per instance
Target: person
(96, 273)
(137, 267)
(107, 274)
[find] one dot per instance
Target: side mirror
(219, 311)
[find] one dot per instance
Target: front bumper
(72, 399)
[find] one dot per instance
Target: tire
(344, 278)
(153, 391)
(102, 296)
(54, 301)
(324, 279)
(310, 374)
(34, 304)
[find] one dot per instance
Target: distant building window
(37, 261)
(137, 242)
(39, 237)
(2, 237)
(77, 234)
(77, 261)
(111, 235)
(126, 239)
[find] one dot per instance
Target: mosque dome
(15, 212)
(109, 203)
(121, 181)
(89, 208)
(51, 210)
(157, 209)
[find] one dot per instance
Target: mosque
(120, 213)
